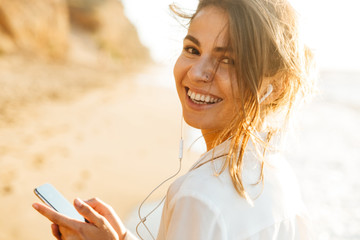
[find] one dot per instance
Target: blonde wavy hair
(267, 48)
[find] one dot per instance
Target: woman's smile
(202, 99)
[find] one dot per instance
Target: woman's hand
(109, 214)
(103, 223)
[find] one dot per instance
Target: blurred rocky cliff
(75, 30)
(58, 50)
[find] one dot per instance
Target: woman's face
(205, 74)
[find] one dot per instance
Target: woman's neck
(210, 137)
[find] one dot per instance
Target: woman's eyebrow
(223, 49)
(216, 49)
(193, 39)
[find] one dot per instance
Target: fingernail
(35, 206)
(78, 202)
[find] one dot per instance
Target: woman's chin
(192, 123)
(199, 124)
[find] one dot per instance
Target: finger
(89, 213)
(109, 213)
(54, 216)
(101, 207)
(94, 202)
(55, 231)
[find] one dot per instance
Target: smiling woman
(242, 65)
(251, 64)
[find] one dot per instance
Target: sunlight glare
(328, 26)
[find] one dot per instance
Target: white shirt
(202, 206)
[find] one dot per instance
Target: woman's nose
(202, 69)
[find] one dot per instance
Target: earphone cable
(143, 219)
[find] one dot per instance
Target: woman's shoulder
(208, 180)
(202, 182)
(276, 201)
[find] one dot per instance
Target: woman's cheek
(178, 70)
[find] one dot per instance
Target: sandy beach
(115, 142)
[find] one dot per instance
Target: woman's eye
(191, 50)
(227, 60)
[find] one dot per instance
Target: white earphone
(268, 92)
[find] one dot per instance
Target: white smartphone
(53, 198)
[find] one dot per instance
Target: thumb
(89, 213)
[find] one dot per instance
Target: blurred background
(88, 103)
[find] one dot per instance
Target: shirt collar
(216, 152)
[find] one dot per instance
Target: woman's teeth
(202, 99)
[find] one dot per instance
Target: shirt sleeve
(194, 218)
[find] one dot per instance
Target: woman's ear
(271, 88)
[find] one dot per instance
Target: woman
(241, 71)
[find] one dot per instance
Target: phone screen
(53, 198)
